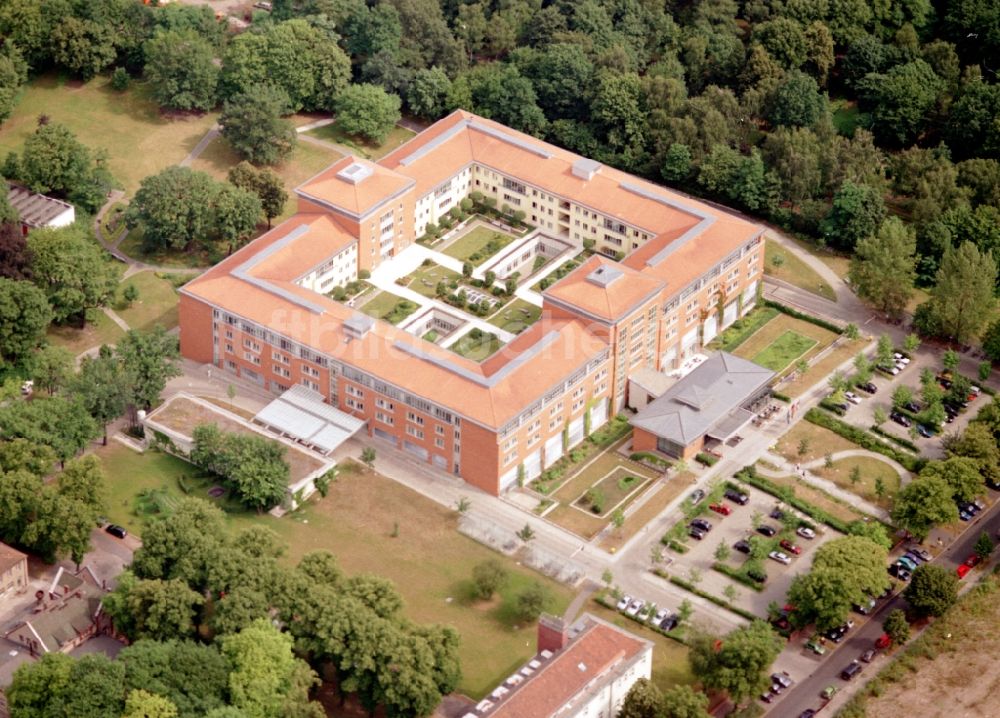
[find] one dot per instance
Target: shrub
(830, 326)
(364, 274)
(738, 574)
(489, 577)
(688, 586)
(706, 459)
(120, 79)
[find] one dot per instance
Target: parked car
(783, 678)
(634, 607)
(805, 532)
(852, 397)
(721, 509)
(912, 406)
(807, 713)
(908, 563)
(702, 524)
(836, 634)
(853, 668)
(789, 546)
(868, 656)
(963, 570)
(900, 419)
(743, 546)
(669, 623)
(660, 615)
(624, 602)
(757, 575)
(883, 642)
(924, 431)
(828, 692)
(696, 533)
(696, 496)
(816, 646)
(779, 557)
(913, 557)
(766, 530)
(868, 387)
(767, 696)
(839, 405)
(923, 553)
(900, 572)
(777, 514)
(964, 515)
(865, 608)
(737, 497)
(116, 530)
(973, 561)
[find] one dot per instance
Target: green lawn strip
(743, 329)
(790, 268)
(366, 148)
(429, 561)
(611, 490)
(134, 246)
(157, 302)
(864, 439)
(424, 280)
(516, 316)
(389, 307)
(99, 330)
(476, 344)
(553, 277)
(478, 245)
(784, 350)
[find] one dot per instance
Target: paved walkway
(326, 144)
(315, 125)
(116, 318)
(204, 142)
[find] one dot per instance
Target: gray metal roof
(604, 275)
(35, 210)
(706, 401)
(302, 414)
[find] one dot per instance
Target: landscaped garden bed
(553, 277)
(516, 316)
(389, 307)
(477, 344)
(605, 495)
(478, 244)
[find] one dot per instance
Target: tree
(82, 46)
(722, 551)
(172, 209)
(368, 456)
(181, 70)
(100, 389)
(183, 545)
(901, 100)
(977, 443)
(367, 111)
(55, 162)
(153, 608)
(37, 688)
(489, 577)
(15, 257)
(532, 601)
(24, 317)
(924, 503)
(797, 101)
(235, 214)
(13, 74)
(872, 530)
(143, 704)
(972, 118)
(58, 422)
(950, 359)
(427, 95)
(643, 700)
(738, 662)
(253, 125)
(253, 466)
(883, 269)
(960, 473)
(526, 534)
(267, 679)
(845, 572)
(963, 294)
(72, 270)
(684, 702)
(897, 627)
(984, 546)
(857, 213)
(879, 416)
(932, 590)
(130, 294)
(265, 183)
(51, 367)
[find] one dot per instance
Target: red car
(789, 546)
(721, 509)
(963, 570)
(973, 561)
(883, 641)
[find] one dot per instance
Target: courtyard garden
(516, 316)
(478, 244)
(426, 278)
(389, 307)
(782, 342)
(388, 530)
(477, 344)
(553, 277)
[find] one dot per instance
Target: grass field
(818, 443)
(871, 471)
(425, 279)
(389, 307)
(365, 148)
(742, 329)
(843, 350)
(789, 268)
(615, 487)
(157, 302)
(516, 316)
(779, 354)
(476, 347)
(429, 561)
(778, 340)
(101, 330)
(140, 139)
(819, 498)
(133, 246)
(478, 244)
(649, 510)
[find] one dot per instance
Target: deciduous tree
(367, 111)
(897, 627)
(932, 590)
(180, 67)
(24, 316)
(253, 124)
(961, 473)
(924, 503)
(857, 213)
(963, 295)
(489, 577)
(883, 269)
(738, 662)
(72, 270)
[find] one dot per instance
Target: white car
(624, 602)
(779, 557)
(658, 618)
(900, 359)
(805, 532)
(634, 607)
(852, 397)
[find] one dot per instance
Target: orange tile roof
(589, 656)
(10, 557)
(371, 186)
(627, 289)
(317, 238)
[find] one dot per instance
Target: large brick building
(685, 272)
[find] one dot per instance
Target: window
(315, 387)
(383, 404)
(415, 432)
(514, 186)
(281, 371)
(410, 416)
(439, 442)
(252, 358)
(439, 430)
(384, 418)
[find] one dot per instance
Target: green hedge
(611, 432)
(863, 439)
(781, 397)
(905, 443)
(828, 404)
(688, 586)
(640, 456)
(737, 575)
(706, 459)
(674, 544)
(787, 494)
(829, 326)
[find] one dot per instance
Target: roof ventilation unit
(355, 173)
(585, 168)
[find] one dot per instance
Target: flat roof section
(35, 210)
(302, 414)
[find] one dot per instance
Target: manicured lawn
(617, 485)
(157, 302)
(429, 561)
(843, 350)
(425, 279)
(133, 246)
(759, 345)
(478, 244)
(649, 510)
(871, 471)
(819, 498)
(365, 148)
(819, 443)
(742, 329)
(476, 345)
(101, 330)
(140, 140)
(389, 307)
(784, 350)
(793, 270)
(516, 316)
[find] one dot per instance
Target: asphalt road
(806, 694)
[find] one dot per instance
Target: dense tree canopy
(923, 504)
(738, 662)
(72, 270)
(181, 70)
(253, 125)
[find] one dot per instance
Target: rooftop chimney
(552, 633)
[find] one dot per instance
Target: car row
(699, 528)
(661, 618)
(780, 682)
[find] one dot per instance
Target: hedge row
(688, 586)
(737, 575)
(650, 458)
(706, 459)
(785, 309)
(830, 406)
(905, 443)
(787, 495)
(863, 439)
(781, 397)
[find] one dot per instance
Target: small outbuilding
(37, 210)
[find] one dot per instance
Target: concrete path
(326, 144)
(315, 125)
(204, 142)
(116, 318)
(588, 589)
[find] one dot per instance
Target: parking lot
(737, 526)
